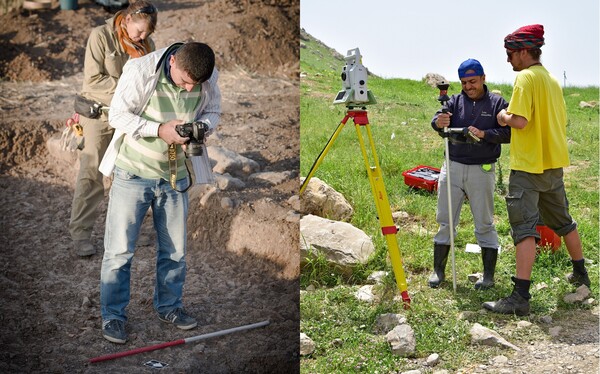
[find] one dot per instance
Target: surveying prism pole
(443, 99)
(384, 212)
(192, 339)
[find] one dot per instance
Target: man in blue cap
(472, 167)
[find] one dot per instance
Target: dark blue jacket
(481, 114)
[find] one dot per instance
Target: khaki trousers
(89, 188)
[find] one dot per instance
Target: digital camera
(196, 132)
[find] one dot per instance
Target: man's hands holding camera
(189, 135)
(167, 132)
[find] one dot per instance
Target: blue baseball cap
(470, 64)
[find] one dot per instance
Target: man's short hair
(535, 53)
(197, 60)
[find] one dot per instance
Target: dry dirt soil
(243, 264)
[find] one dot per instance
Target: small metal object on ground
(154, 364)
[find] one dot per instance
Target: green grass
(340, 325)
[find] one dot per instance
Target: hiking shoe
(577, 279)
(513, 304)
(113, 330)
(179, 318)
(84, 247)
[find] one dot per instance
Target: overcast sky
(408, 39)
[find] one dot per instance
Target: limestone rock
(433, 79)
(376, 277)
(227, 182)
(271, 177)
(483, 335)
(582, 293)
(366, 293)
(227, 161)
(586, 104)
(402, 340)
(524, 324)
(307, 345)
(321, 200)
(341, 243)
(386, 322)
(433, 359)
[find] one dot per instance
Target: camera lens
(194, 149)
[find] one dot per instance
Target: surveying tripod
(384, 212)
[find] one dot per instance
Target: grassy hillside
(400, 121)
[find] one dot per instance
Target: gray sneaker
(513, 304)
(84, 247)
(113, 330)
(179, 318)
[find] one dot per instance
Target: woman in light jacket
(109, 47)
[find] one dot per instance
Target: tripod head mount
(462, 134)
(354, 76)
(443, 98)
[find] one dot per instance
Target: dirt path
(568, 344)
(242, 257)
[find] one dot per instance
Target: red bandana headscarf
(526, 37)
(133, 49)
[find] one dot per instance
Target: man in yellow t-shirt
(538, 153)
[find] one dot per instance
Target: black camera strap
(173, 169)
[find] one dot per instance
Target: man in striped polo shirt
(156, 92)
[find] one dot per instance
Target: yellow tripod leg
(386, 222)
(384, 212)
(323, 153)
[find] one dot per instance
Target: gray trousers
(474, 182)
(89, 188)
(531, 196)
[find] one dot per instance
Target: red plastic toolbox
(424, 177)
(548, 238)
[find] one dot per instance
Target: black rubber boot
(489, 256)
(516, 303)
(440, 257)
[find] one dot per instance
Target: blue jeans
(130, 198)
